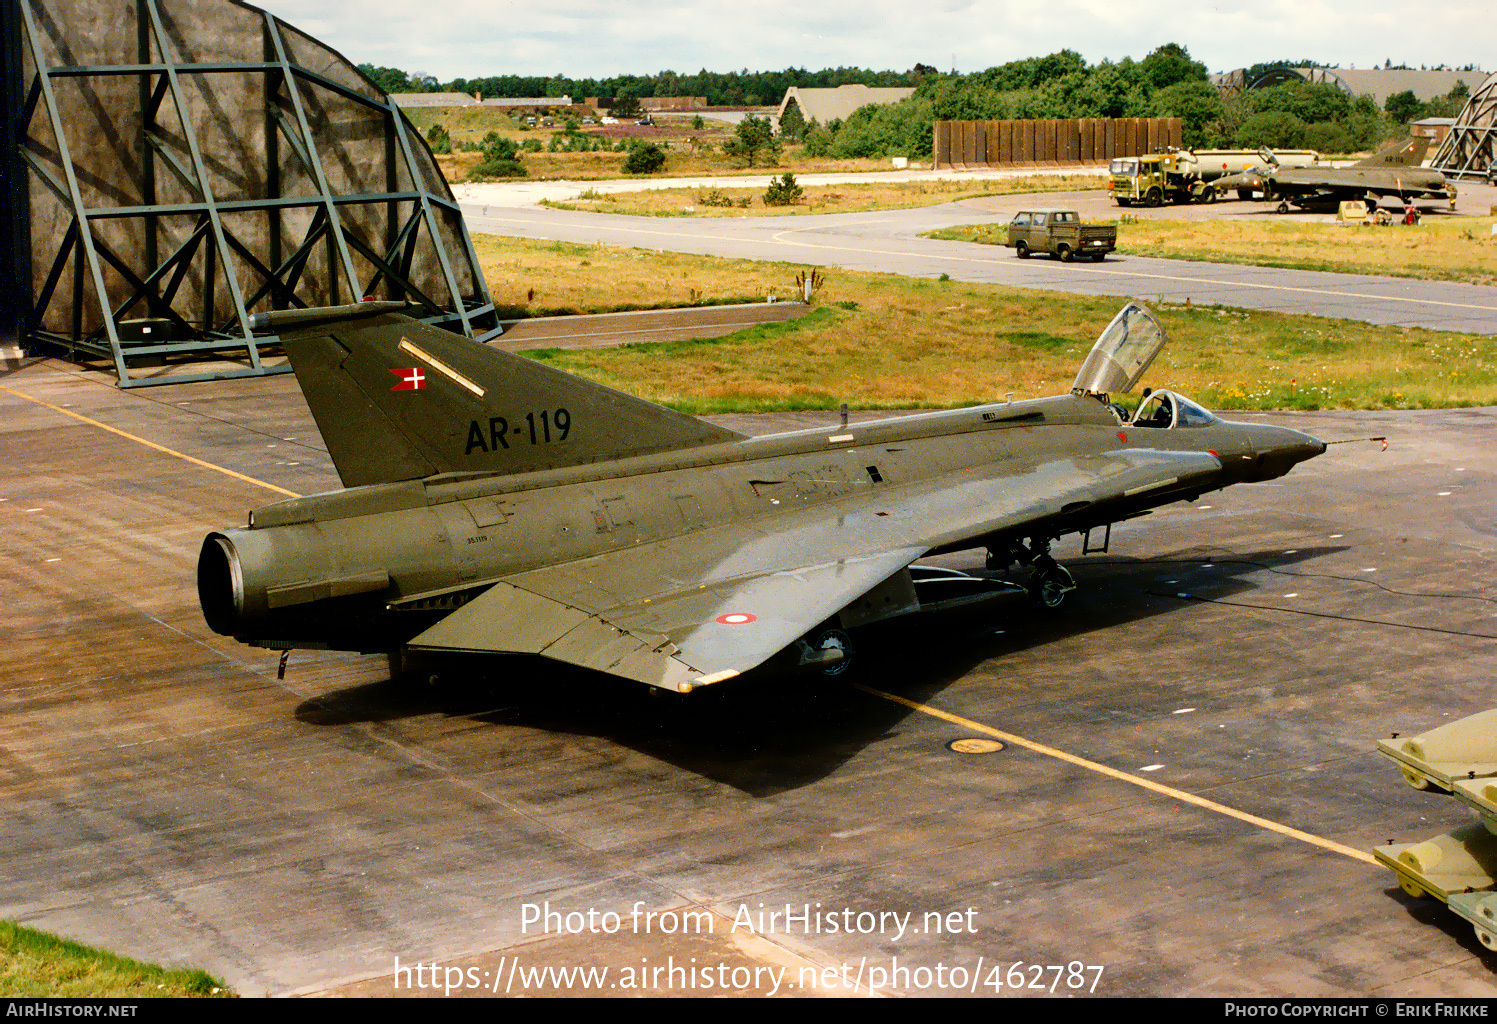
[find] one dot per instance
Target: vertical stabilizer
(397, 399)
(1400, 154)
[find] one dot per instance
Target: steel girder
(224, 180)
(1470, 150)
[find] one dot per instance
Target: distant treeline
(1166, 83)
(723, 89)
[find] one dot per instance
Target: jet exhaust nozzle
(221, 584)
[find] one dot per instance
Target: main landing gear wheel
(1022, 250)
(828, 639)
(1051, 585)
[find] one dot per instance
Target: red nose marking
(1212, 451)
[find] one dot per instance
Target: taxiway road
(1184, 799)
(889, 242)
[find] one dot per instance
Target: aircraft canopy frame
(1122, 354)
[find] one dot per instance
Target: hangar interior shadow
(766, 734)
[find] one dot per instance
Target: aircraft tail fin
(396, 399)
(1400, 154)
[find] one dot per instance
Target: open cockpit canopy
(1122, 353)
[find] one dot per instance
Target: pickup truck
(1061, 233)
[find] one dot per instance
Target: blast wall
(964, 145)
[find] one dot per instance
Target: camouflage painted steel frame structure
(184, 164)
(1470, 149)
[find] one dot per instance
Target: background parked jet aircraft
(1395, 171)
(496, 505)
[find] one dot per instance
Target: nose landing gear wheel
(1283, 207)
(1051, 586)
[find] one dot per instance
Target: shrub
(1328, 137)
(645, 159)
(783, 191)
(818, 139)
(891, 129)
(501, 158)
(438, 139)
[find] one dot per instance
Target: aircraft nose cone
(1279, 449)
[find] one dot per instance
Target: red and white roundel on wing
(737, 618)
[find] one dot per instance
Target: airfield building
(827, 105)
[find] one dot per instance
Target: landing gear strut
(1050, 584)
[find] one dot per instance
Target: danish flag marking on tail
(411, 379)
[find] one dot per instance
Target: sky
(599, 38)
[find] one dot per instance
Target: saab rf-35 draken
(494, 505)
(1395, 171)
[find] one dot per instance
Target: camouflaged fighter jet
(497, 505)
(1395, 171)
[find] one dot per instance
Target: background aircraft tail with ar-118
(497, 506)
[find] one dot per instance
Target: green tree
(388, 79)
(1328, 137)
(1404, 107)
(1198, 105)
(625, 104)
(1113, 90)
(753, 140)
(792, 122)
(1171, 64)
(888, 129)
(1310, 102)
(1276, 129)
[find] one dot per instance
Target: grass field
(35, 964)
(853, 198)
(1440, 249)
(885, 341)
(688, 153)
